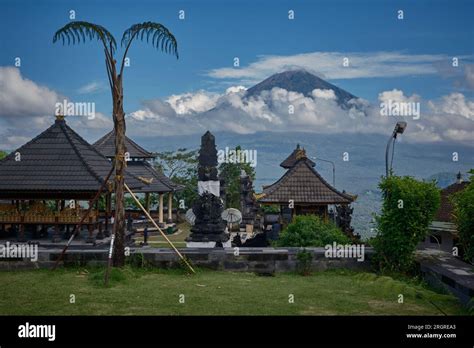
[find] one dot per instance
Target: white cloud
(454, 104)
(235, 89)
(329, 65)
(92, 87)
(27, 108)
(324, 94)
(446, 119)
(396, 95)
(193, 102)
(20, 97)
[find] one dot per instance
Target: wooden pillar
(147, 201)
(56, 233)
(98, 225)
(160, 216)
(21, 233)
(90, 228)
(90, 235)
(170, 207)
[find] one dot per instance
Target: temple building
(47, 181)
(302, 190)
(139, 166)
(443, 233)
(47, 185)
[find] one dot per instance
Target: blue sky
(214, 32)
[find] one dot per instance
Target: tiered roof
(153, 180)
(106, 146)
(302, 184)
(297, 154)
(57, 163)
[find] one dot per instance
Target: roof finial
(301, 153)
(59, 112)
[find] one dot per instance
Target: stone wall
(259, 260)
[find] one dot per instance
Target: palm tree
(161, 38)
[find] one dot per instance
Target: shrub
(310, 231)
(464, 217)
(408, 208)
(304, 258)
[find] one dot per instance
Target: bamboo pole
(86, 214)
(109, 261)
(156, 226)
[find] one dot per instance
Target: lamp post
(399, 129)
(333, 169)
(333, 179)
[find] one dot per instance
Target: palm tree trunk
(119, 126)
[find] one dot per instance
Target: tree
(3, 154)
(408, 208)
(161, 38)
(464, 217)
(181, 167)
(230, 172)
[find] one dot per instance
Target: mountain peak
(301, 81)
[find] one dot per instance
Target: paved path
(442, 269)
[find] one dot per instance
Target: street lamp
(399, 129)
(333, 180)
(333, 169)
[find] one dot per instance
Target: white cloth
(213, 187)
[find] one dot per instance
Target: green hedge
(310, 231)
(464, 217)
(408, 208)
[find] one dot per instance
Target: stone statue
(343, 220)
(208, 207)
(248, 205)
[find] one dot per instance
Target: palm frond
(79, 31)
(161, 37)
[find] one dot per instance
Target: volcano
(300, 81)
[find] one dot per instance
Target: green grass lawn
(177, 238)
(156, 292)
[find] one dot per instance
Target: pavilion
(139, 166)
(43, 182)
(302, 188)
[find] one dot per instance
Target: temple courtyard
(136, 291)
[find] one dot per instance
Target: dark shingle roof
(297, 154)
(303, 184)
(58, 159)
(445, 211)
(158, 182)
(106, 146)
